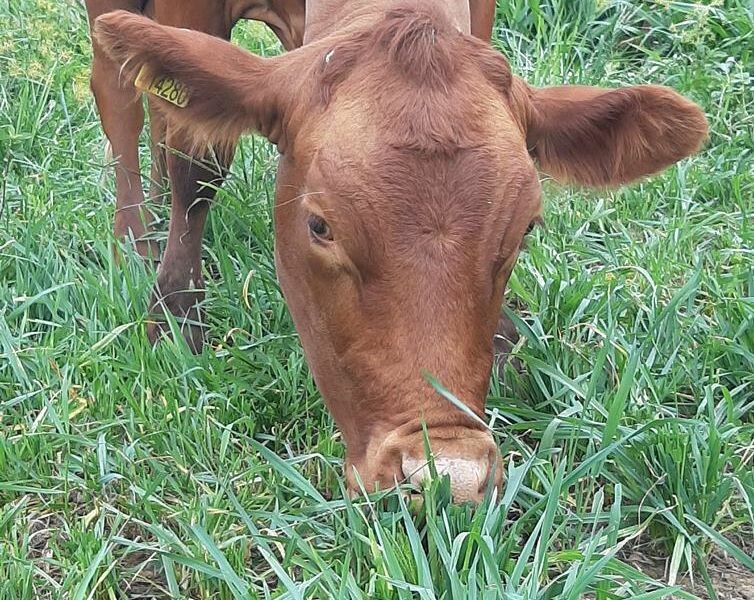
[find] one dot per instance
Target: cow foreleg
(180, 285)
(122, 119)
(158, 179)
(482, 18)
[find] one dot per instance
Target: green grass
(126, 468)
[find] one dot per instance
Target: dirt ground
(730, 579)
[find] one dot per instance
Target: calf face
(406, 185)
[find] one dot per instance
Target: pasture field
(129, 471)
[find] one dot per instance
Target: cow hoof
(192, 334)
(189, 317)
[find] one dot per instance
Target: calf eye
(319, 229)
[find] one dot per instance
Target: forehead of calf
(429, 88)
(417, 134)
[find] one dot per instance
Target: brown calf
(406, 184)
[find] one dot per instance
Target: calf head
(406, 185)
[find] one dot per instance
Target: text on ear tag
(165, 87)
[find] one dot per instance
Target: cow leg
(482, 18)
(158, 178)
(180, 286)
(122, 117)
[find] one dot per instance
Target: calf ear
(595, 136)
(212, 89)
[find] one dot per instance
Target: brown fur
(610, 137)
(427, 56)
(415, 144)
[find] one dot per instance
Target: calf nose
(469, 477)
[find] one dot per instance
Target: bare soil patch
(730, 579)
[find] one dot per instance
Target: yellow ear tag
(165, 87)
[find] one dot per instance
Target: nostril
(468, 477)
